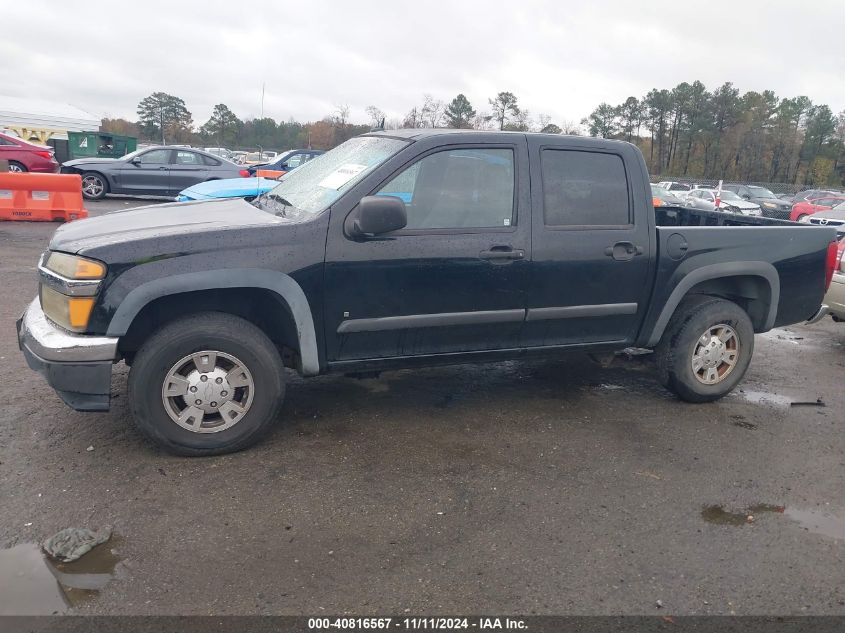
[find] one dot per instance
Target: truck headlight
(74, 267)
(68, 289)
(72, 313)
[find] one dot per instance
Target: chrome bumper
(50, 343)
(824, 310)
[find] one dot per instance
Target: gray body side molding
(715, 271)
(280, 283)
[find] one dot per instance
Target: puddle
(717, 514)
(33, 584)
(811, 520)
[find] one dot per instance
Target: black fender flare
(763, 270)
(283, 285)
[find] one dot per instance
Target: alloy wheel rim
(715, 354)
(208, 391)
(16, 169)
(92, 186)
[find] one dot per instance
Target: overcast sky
(559, 58)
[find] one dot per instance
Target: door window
(584, 189)
(188, 158)
(457, 188)
(155, 157)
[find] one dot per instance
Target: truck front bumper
(77, 366)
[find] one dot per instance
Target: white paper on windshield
(342, 175)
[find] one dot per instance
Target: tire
(682, 345)
(16, 167)
(94, 186)
(236, 345)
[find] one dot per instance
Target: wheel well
(264, 308)
(753, 294)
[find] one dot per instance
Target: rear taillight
(834, 255)
(244, 173)
(44, 154)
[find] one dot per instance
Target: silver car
(835, 297)
(705, 199)
(153, 171)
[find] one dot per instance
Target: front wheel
(94, 186)
(706, 349)
(206, 384)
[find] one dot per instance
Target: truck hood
(159, 221)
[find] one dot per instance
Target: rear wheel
(94, 186)
(206, 384)
(706, 348)
(16, 167)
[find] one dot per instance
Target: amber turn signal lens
(79, 311)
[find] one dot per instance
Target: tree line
(165, 118)
(689, 131)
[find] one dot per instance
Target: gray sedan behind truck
(152, 171)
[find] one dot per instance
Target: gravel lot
(543, 487)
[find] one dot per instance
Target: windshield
(761, 192)
(318, 183)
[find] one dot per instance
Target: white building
(37, 120)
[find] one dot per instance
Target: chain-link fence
(778, 188)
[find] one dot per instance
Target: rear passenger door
(188, 169)
(591, 274)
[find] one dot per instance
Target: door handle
(502, 254)
(163, 167)
(623, 251)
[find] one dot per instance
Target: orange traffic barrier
(269, 173)
(41, 197)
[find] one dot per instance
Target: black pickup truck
(407, 248)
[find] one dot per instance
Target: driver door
(149, 174)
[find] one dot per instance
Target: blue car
(247, 188)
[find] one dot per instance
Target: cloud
(559, 59)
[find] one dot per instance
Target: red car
(809, 207)
(23, 156)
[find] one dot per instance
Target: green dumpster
(100, 144)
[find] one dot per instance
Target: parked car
(287, 161)
(802, 209)
(808, 194)
(835, 297)
(155, 171)
(680, 189)
(24, 156)
(665, 198)
(705, 199)
(509, 246)
(246, 188)
(222, 152)
(770, 204)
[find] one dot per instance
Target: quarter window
(457, 188)
(584, 189)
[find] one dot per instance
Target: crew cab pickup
(407, 248)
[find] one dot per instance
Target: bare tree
(432, 111)
(413, 119)
(341, 115)
(376, 115)
(570, 127)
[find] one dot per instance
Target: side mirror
(136, 160)
(378, 214)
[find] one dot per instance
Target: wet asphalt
(555, 487)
